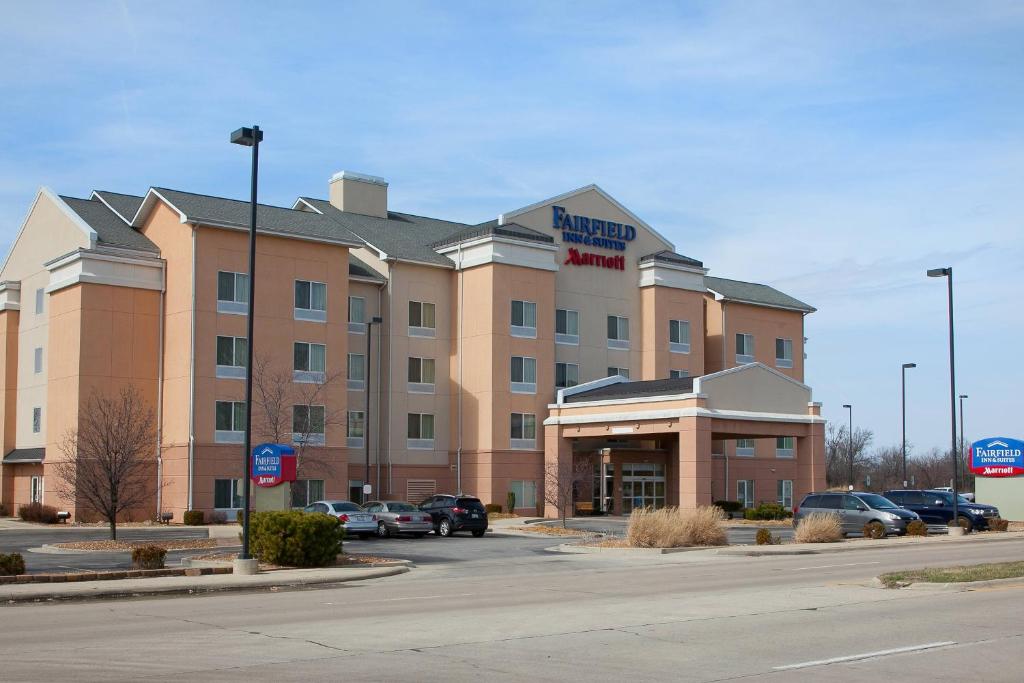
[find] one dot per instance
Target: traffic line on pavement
(830, 566)
(865, 655)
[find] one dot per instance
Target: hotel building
(563, 341)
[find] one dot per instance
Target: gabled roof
(357, 268)
(202, 209)
(492, 229)
(110, 229)
(627, 389)
(753, 293)
(25, 455)
(124, 205)
(668, 256)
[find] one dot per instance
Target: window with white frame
(232, 352)
(308, 424)
(618, 371)
(618, 332)
(35, 494)
(37, 360)
(306, 492)
(40, 298)
(744, 348)
(356, 371)
(745, 447)
(37, 420)
(355, 430)
(566, 375)
(524, 319)
(567, 326)
(679, 336)
(227, 494)
(310, 301)
(420, 434)
(230, 422)
(745, 492)
(784, 493)
(421, 375)
(783, 353)
(525, 493)
(678, 374)
(309, 364)
(784, 447)
(422, 322)
(232, 293)
(524, 430)
(357, 314)
(524, 375)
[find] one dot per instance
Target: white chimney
(359, 193)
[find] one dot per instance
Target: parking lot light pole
(947, 273)
(850, 442)
(962, 463)
(903, 404)
(375, 320)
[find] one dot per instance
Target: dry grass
(170, 544)
(819, 527)
(977, 572)
(676, 528)
(547, 530)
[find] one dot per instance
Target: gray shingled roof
(753, 293)
(513, 230)
(401, 235)
(110, 230)
(27, 455)
(201, 208)
(126, 205)
(360, 269)
(651, 387)
(666, 256)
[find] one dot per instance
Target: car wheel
(382, 531)
(965, 523)
(477, 533)
(444, 528)
(363, 537)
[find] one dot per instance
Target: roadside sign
(997, 457)
(272, 464)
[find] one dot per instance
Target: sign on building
(272, 464)
(997, 457)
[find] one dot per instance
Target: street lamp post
(961, 463)
(947, 273)
(375, 320)
(903, 404)
(850, 442)
(249, 137)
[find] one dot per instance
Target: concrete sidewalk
(869, 544)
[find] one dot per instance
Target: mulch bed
(342, 561)
(545, 530)
(115, 546)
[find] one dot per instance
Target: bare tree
(562, 483)
(109, 460)
(837, 454)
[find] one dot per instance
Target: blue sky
(834, 150)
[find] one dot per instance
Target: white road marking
(829, 566)
(865, 655)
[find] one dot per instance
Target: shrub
(12, 565)
(37, 512)
(675, 528)
(729, 505)
(917, 528)
(492, 508)
(148, 557)
(874, 530)
(998, 524)
(193, 517)
(294, 539)
(3, 510)
(819, 527)
(750, 514)
(766, 511)
(218, 517)
(766, 537)
(510, 502)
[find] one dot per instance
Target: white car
(357, 522)
(949, 489)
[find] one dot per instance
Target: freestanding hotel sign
(272, 464)
(997, 457)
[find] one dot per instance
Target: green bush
(37, 512)
(510, 502)
(917, 528)
(148, 557)
(12, 565)
(729, 505)
(492, 508)
(193, 517)
(295, 539)
(874, 530)
(766, 537)
(999, 524)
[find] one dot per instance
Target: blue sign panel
(997, 457)
(272, 464)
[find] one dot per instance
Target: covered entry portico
(649, 443)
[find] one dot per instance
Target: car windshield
(877, 502)
(947, 497)
(401, 507)
(345, 507)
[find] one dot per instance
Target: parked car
(936, 507)
(357, 522)
(456, 513)
(399, 517)
(856, 509)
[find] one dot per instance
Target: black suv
(936, 508)
(456, 513)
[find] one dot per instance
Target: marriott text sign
(997, 457)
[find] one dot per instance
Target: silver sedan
(399, 517)
(356, 520)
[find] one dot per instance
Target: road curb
(573, 549)
(858, 545)
(953, 587)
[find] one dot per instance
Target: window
(231, 357)
(745, 492)
(618, 371)
(306, 492)
(308, 424)
(783, 353)
(745, 447)
(678, 374)
(38, 360)
(421, 375)
(784, 447)
(566, 375)
(37, 420)
(525, 493)
(744, 348)
(618, 332)
(356, 428)
(524, 430)
(227, 494)
(421, 431)
(310, 301)
(524, 319)
(421, 319)
(230, 426)
(356, 371)
(39, 301)
(679, 336)
(310, 364)
(524, 375)
(784, 493)
(356, 314)
(36, 489)
(232, 293)
(567, 327)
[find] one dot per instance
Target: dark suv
(456, 513)
(936, 508)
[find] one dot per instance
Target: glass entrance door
(643, 485)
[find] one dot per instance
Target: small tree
(109, 460)
(561, 484)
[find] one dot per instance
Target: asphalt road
(500, 608)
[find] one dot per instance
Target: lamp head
(939, 272)
(247, 137)
(964, 396)
(909, 365)
(847, 405)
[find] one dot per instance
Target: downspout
(458, 450)
(160, 402)
(192, 379)
(725, 447)
(380, 309)
(391, 326)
